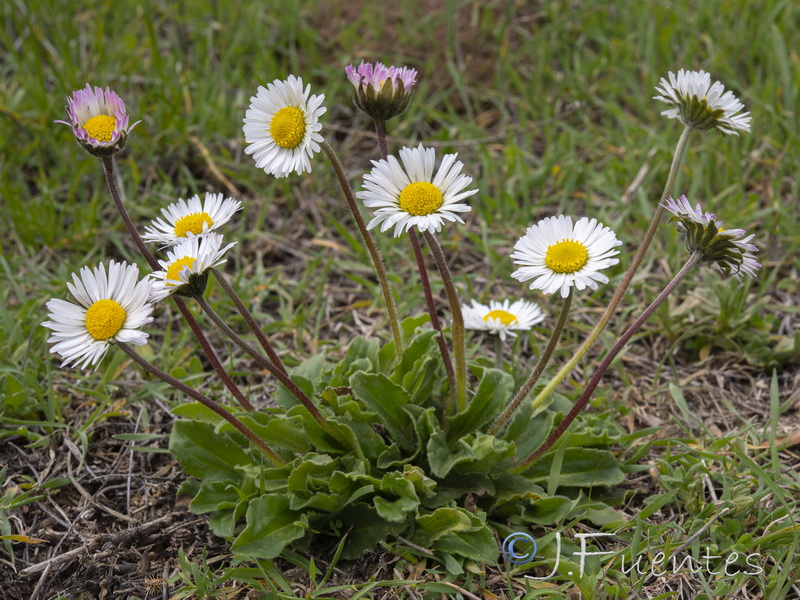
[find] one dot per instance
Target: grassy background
(549, 104)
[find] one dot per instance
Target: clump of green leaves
(408, 470)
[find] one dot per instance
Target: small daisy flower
(184, 271)
(558, 255)
(409, 195)
(701, 105)
(282, 127)
(111, 308)
(727, 250)
(98, 120)
(502, 318)
(381, 92)
(183, 219)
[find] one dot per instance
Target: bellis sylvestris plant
(409, 439)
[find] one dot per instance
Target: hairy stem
(598, 375)
(269, 366)
(538, 369)
(457, 329)
(498, 352)
(623, 286)
(108, 169)
(251, 322)
(205, 401)
(373, 250)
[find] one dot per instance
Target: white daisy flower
(558, 255)
(98, 119)
(502, 318)
(727, 250)
(192, 257)
(183, 219)
(700, 104)
(282, 127)
(111, 308)
(409, 195)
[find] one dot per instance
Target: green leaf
(285, 399)
(271, 526)
(386, 399)
(492, 396)
(395, 484)
(214, 495)
(480, 545)
(278, 431)
(361, 355)
(595, 431)
(581, 467)
(458, 531)
(367, 529)
(443, 521)
(206, 454)
(529, 433)
(489, 451)
(416, 372)
(442, 458)
(195, 411)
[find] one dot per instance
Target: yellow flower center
(567, 256)
(420, 198)
(506, 318)
(288, 127)
(174, 270)
(104, 319)
(192, 223)
(101, 127)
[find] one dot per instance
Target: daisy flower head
(409, 195)
(111, 307)
(558, 255)
(98, 119)
(185, 270)
(187, 218)
(282, 127)
(381, 92)
(729, 251)
(502, 318)
(698, 103)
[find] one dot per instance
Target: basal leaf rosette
(406, 476)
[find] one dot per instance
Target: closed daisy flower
(187, 218)
(98, 119)
(282, 127)
(184, 271)
(111, 308)
(558, 255)
(700, 104)
(729, 251)
(502, 318)
(409, 195)
(379, 91)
